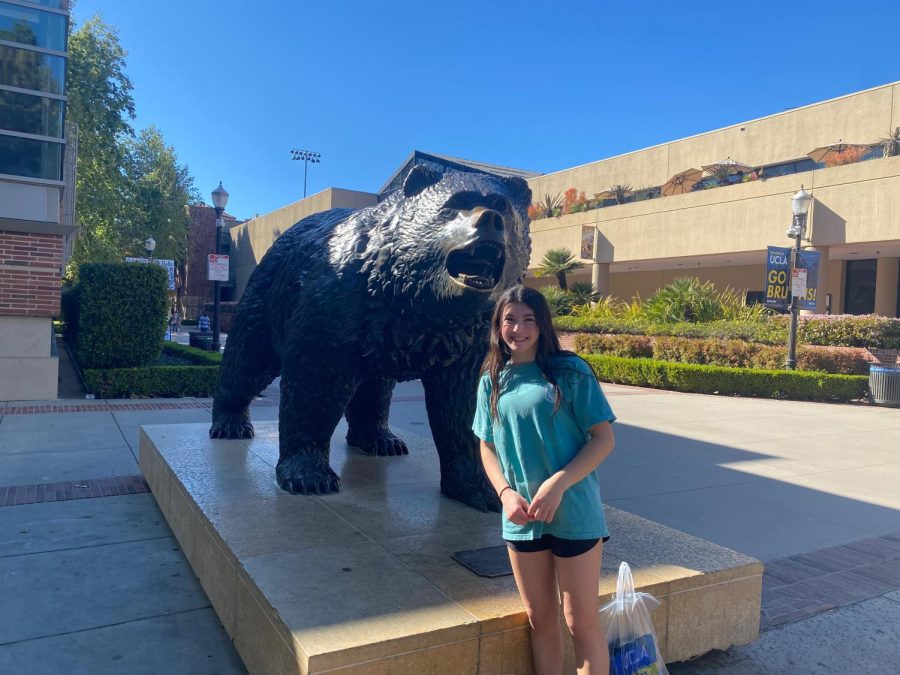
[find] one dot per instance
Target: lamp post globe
(150, 246)
(219, 199)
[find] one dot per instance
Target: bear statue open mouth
(478, 265)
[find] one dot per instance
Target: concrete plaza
(100, 584)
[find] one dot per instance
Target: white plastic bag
(629, 630)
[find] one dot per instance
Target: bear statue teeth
(476, 281)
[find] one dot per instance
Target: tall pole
(307, 156)
(216, 346)
(791, 364)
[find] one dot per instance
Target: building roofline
(730, 126)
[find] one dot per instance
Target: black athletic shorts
(562, 548)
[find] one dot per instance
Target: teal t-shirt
(533, 443)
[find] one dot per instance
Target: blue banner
(809, 261)
(778, 271)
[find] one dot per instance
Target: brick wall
(30, 273)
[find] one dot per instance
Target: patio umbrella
(727, 166)
(828, 152)
(681, 182)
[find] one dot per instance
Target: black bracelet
(500, 495)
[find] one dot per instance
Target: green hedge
(729, 381)
(121, 314)
(719, 352)
(842, 330)
(158, 381)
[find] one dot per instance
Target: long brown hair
(547, 348)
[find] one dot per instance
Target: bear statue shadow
(347, 303)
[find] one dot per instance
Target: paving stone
(186, 643)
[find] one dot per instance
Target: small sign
(168, 265)
(217, 267)
(798, 283)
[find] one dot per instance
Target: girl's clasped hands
(542, 507)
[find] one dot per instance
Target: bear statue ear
(519, 192)
(419, 178)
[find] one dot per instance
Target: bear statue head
(461, 234)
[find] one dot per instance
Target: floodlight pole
(307, 156)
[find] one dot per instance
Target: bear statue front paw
(380, 443)
(478, 494)
(300, 475)
(231, 426)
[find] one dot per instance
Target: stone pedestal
(362, 581)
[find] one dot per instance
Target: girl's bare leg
(536, 579)
(579, 581)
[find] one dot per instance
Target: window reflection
(32, 27)
(31, 114)
(26, 69)
(27, 157)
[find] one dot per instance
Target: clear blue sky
(543, 86)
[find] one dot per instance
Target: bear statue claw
(299, 477)
(231, 426)
(382, 443)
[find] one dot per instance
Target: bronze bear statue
(347, 303)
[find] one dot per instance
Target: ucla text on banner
(778, 265)
(809, 260)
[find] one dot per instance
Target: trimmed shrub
(729, 353)
(629, 346)
(729, 381)
(158, 381)
(122, 314)
(844, 330)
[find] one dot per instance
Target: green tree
(100, 103)
(558, 262)
(162, 191)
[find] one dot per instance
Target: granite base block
(362, 581)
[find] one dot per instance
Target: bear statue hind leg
(306, 475)
(367, 419)
(479, 494)
(231, 425)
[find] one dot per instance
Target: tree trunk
(561, 279)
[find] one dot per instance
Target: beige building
(252, 238)
(721, 234)
(718, 234)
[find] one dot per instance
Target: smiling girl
(544, 426)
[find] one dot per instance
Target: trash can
(201, 339)
(884, 385)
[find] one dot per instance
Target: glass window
(859, 290)
(28, 157)
(27, 69)
(55, 4)
(31, 114)
(32, 26)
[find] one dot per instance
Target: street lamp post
(307, 156)
(220, 199)
(800, 205)
(150, 246)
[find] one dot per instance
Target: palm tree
(890, 146)
(558, 262)
(620, 192)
